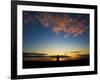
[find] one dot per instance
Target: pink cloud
(58, 23)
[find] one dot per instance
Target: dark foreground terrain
(42, 64)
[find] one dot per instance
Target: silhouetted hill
(41, 64)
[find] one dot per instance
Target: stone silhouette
(57, 58)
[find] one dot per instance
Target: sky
(55, 33)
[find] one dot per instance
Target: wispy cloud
(59, 23)
(76, 51)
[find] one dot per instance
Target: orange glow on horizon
(53, 52)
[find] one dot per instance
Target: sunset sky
(55, 33)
